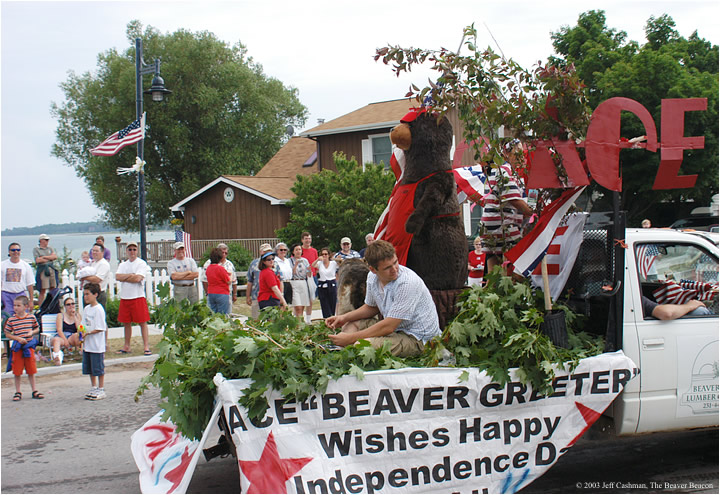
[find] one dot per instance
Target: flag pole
(140, 146)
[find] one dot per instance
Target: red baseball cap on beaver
(413, 114)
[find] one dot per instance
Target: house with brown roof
(248, 207)
(254, 207)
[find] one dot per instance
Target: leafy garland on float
(497, 329)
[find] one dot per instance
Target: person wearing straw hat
(46, 275)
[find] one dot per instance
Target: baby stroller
(50, 306)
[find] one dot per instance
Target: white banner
(419, 430)
(166, 459)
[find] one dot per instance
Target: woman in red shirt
(270, 287)
(218, 284)
(476, 264)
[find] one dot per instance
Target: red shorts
(133, 311)
(20, 362)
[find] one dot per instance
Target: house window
(377, 149)
(382, 148)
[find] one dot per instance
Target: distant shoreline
(68, 228)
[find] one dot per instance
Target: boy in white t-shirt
(94, 324)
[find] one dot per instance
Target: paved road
(65, 444)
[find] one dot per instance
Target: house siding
(246, 217)
(349, 143)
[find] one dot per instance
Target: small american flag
(184, 237)
(129, 135)
(673, 292)
(646, 256)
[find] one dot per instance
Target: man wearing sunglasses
(17, 278)
(133, 305)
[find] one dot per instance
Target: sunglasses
(132, 249)
(282, 250)
(69, 304)
(15, 250)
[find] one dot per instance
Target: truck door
(678, 358)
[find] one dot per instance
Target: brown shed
(245, 207)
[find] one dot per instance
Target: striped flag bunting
(470, 183)
(529, 252)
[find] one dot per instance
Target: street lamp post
(158, 92)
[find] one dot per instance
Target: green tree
(224, 117)
(331, 205)
(666, 66)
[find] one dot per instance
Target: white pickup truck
(678, 359)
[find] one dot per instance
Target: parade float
(493, 402)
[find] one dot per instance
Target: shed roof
(274, 181)
(288, 162)
(373, 116)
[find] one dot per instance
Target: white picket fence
(152, 280)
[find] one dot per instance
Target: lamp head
(157, 89)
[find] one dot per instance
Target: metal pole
(141, 174)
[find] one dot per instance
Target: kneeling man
(400, 297)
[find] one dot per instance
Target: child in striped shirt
(21, 327)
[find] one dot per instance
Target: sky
(323, 48)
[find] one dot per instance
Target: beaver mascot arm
(431, 199)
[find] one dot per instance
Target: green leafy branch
(497, 329)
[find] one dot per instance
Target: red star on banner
(270, 472)
(590, 416)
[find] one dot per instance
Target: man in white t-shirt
(101, 275)
(133, 305)
(17, 278)
(183, 272)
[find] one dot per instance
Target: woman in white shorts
(303, 285)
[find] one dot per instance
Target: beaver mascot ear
(400, 136)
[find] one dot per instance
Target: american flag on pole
(184, 237)
(529, 252)
(673, 292)
(124, 137)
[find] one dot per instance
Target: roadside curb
(52, 370)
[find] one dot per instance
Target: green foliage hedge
(497, 329)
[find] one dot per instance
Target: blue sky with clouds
(41, 41)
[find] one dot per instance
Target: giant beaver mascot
(423, 216)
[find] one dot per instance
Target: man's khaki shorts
(401, 344)
(48, 281)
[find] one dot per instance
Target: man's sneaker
(99, 394)
(92, 393)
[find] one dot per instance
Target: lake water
(77, 243)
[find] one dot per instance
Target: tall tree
(331, 205)
(225, 116)
(666, 66)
